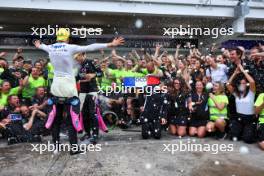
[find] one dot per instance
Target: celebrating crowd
(218, 94)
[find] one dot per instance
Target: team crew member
(6, 91)
(257, 58)
(244, 124)
(34, 121)
(199, 111)
(154, 115)
(31, 83)
(105, 81)
(40, 100)
(259, 109)
(11, 123)
(217, 103)
(117, 73)
(50, 72)
(63, 87)
(88, 73)
(216, 72)
(178, 112)
(236, 57)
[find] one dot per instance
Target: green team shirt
(130, 73)
(104, 81)
(1, 71)
(50, 69)
(4, 96)
(30, 90)
(144, 71)
(214, 112)
(259, 102)
(119, 74)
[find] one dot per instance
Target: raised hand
(2, 54)
(37, 43)
(158, 46)
(116, 42)
(19, 50)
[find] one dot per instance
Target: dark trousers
(55, 131)
(243, 127)
(90, 120)
(38, 126)
(16, 130)
(151, 129)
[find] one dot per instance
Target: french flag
(141, 82)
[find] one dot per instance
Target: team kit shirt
(120, 74)
(88, 67)
(216, 113)
(259, 102)
(105, 82)
(30, 90)
(219, 74)
(245, 105)
(4, 96)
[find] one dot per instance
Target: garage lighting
(253, 34)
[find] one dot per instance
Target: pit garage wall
(9, 45)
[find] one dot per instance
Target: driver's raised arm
(97, 46)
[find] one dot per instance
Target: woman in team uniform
(178, 112)
(217, 103)
(199, 111)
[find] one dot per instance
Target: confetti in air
(216, 162)
(139, 23)
(243, 150)
(234, 139)
(148, 166)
